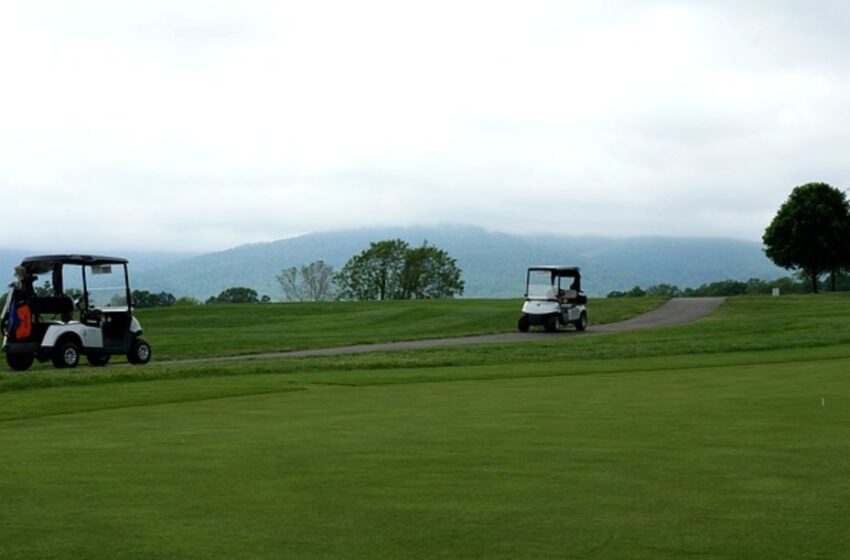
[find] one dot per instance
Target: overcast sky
(200, 125)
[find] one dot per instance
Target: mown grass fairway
(725, 439)
(226, 330)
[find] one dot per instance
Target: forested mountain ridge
(493, 263)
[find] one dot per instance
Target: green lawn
(725, 439)
(223, 330)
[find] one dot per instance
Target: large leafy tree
(392, 270)
(811, 232)
(430, 273)
(374, 274)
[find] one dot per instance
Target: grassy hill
(493, 263)
(722, 439)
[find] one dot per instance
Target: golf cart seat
(572, 297)
(53, 305)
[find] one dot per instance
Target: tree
(312, 282)
(291, 284)
(811, 232)
(430, 273)
(374, 274)
(235, 295)
(143, 299)
(636, 292)
(842, 281)
(392, 270)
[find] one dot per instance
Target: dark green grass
(224, 330)
(725, 461)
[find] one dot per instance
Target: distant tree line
(753, 286)
(141, 298)
(145, 299)
(810, 235)
(238, 294)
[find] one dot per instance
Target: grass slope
(724, 439)
(743, 324)
(222, 330)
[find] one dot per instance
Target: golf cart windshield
(540, 285)
(106, 288)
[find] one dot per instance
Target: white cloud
(200, 125)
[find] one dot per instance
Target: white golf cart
(553, 299)
(86, 312)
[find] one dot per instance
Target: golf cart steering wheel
(87, 314)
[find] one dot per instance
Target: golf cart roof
(40, 264)
(570, 271)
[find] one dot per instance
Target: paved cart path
(674, 312)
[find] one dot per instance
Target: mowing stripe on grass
(236, 380)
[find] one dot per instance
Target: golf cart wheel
(97, 360)
(551, 324)
(523, 324)
(140, 352)
(581, 324)
(19, 362)
(66, 355)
